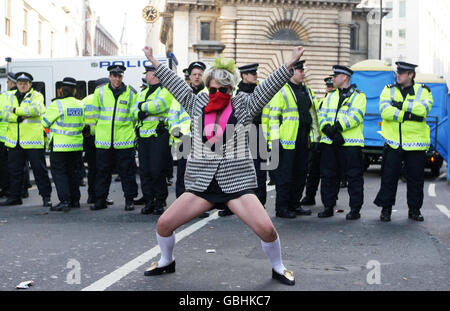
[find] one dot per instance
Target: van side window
(81, 89)
(91, 86)
(40, 87)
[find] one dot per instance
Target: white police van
(48, 73)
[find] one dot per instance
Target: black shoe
(11, 202)
(129, 205)
(327, 212)
(286, 278)
(25, 194)
(91, 200)
(109, 202)
(385, 215)
(302, 212)
(75, 204)
(155, 270)
(148, 208)
(204, 215)
(46, 202)
(308, 201)
(415, 215)
(100, 204)
(140, 201)
(225, 212)
(61, 207)
(169, 182)
(286, 214)
(159, 208)
(353, 215)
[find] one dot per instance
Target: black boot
(225, 212)
(415, 214)
(75, 204)
(302, 212)
(129, 205)
(204, 215)
(159, 208)
(327, 212)
(109, 202)
(285, 213)
(385, 215)
(99, 204)
(91, 199)
(148, 208)
(308, 201)
(11, 202)
(25, 194)
(353, 214)
(46, 202)
(61, 207)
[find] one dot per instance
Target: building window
(388, 41)
(205, 31)
(25, 28)
(354, 37)
(401, 37)
(402, 9)
(389, 7)
(8, 18)
(286, 34)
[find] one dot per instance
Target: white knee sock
(166, 245)
(273, 251)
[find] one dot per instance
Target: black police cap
(149, 68)
(193, 65)
(24, 76)
(12, 77)
(248, 68)
(69, 82)
(117, 69)
(403, 66)
(338, 69)
(300, 65)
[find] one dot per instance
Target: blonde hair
(222, 77)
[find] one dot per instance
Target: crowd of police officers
(319, 141)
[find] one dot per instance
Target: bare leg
(187, 207)
(250, 210)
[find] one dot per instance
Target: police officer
(115, 138)
(292, 117)
(404, 108)
(65, 120)
(341, 122)
(4, 176)
(25, 139)
(313, 179)
(151, 109)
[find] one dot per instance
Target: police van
(48, 73)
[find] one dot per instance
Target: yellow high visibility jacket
(29, 133)
(409, 135)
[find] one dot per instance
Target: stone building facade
(263, 31)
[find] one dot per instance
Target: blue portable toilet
(371, 76)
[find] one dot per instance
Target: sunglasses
(213, 90)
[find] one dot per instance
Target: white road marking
(134, 264)
(444, 210)
(432, 190)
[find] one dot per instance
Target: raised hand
(148, 51)
(296, 55)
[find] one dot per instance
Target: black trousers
(169, 168)
(153, 158)
(261, 178)
(391, 170)
(291, 177)
(107, 160)
(181, 170)
(4, 176)
(17, 158)
(90, 156)
(349, 160)
(313, 179)
(64, 167)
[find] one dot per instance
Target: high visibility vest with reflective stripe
(30, 132)
(115, 122)
(91, 112)
(283, 117)
(157, 105)
(350, 116)
(179, 121)
(65, 120)
(409, 135)
(3, 122)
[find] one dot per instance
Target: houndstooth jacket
(231, 164)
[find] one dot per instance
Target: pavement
(110, 249)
